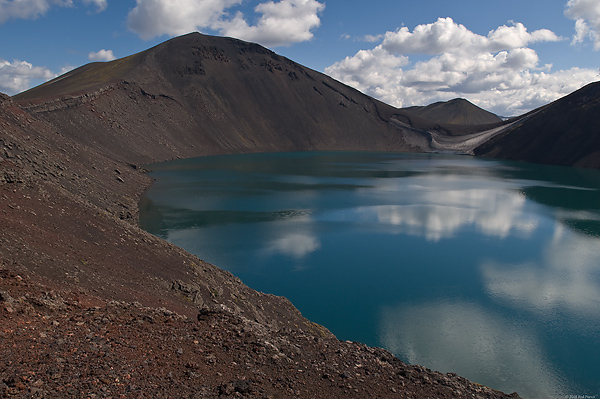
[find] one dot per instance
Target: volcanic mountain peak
(181, 61)
(458, 111)
(199, 94)
(182, 55)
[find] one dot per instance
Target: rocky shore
(56, 344)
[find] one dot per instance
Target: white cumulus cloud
(18, 75)
(28, 9)
(586, 14)
(100, 4)
(32, 9)
(498, 72)
(102, 55)
(445, 36)
(281, 23)
(151, 18)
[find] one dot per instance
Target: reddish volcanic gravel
(62, 344)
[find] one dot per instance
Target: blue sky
(508, 57)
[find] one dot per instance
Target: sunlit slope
(82, 79)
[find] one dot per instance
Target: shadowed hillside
(566, 132)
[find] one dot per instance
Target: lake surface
(485, 268)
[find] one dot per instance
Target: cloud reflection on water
(464, 338)
(437, 214)
(566, 278)
(297, 245)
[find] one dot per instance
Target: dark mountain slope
(566, 132)
(454, 112)
(197, 95)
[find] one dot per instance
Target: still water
(484, 268)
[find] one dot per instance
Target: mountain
(196, 95)
(454, 112)
(565, 132)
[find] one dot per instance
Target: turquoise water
(484, 268)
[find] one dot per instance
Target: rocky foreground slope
(92, 306)
(56, 344)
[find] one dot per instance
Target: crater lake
(484, 268)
